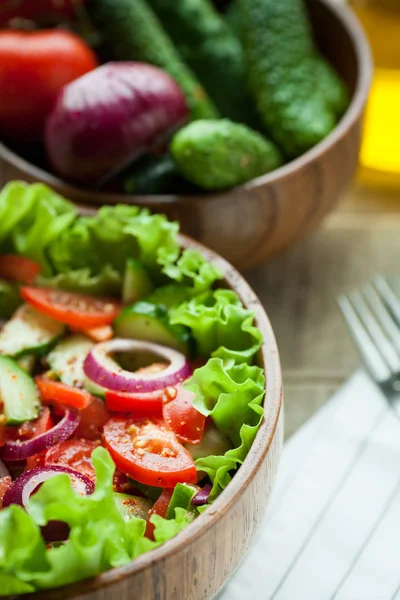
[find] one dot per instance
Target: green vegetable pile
(254, 68)
(91, 255)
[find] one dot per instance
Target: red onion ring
(18, 450)
(104, 371)
(202, 496)
(22, 488)
(3, 470)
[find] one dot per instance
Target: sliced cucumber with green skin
(27, 363)
(18, 393)
(29, 332)
(137, 283)
(214, 443)
(10, 299)
(133, 506)
(150, 322)
(66, 363)
(181, 498)
(169, 295)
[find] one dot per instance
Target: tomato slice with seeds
(75, 454)
(140, 405)
(160, 508)
(181, 416)
(148, 452)
(18, 268)
(56, 391)
(92, 420)
(75, 310)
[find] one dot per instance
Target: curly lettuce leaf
(221, 326)
(100, 537)
(31, 217)
(106, 283)
(194, 271)
(232, 395)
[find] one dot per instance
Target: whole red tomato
(37, 9)
(34, 66)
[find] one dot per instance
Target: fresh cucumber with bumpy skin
(133, 32)
(220, 154)
(158, 176)
(150, 322)
(282, 74)
(210, 48)
(10, 299)
(18, 393)
(29, 332)
(66, 363)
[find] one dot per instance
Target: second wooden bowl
(252, 222)
(197, 563)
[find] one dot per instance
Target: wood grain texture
(253, 222)
(197, 563)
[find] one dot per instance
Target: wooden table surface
(298, 290)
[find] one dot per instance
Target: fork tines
(372, 314)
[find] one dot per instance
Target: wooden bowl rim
(349, 23)
(242, 479)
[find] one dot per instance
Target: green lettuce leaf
(100, 537)
(194, 271)
(106, 283)
(232, 395)
(221, 326)
(10, 299)
(31, 217)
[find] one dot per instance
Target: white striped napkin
(332, 529)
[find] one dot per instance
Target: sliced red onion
(101, 368)
(22, 488)
(59, 433)
(202, 496)
(3, 470)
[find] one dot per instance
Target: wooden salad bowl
(199, 561)
(252, 222)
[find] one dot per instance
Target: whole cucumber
(218, 154)
(133, 32)
(211, 49)
(297, 110)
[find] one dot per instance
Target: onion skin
(15, 451)
(107, 118)
(202, 496)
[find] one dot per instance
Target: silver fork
(372, 315)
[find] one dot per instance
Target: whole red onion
(110, 116)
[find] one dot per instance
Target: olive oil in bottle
(380, 152)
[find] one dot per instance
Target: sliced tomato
(75, 310)
(32, 429)
(5, 483)
(18, 268)
(93, 419)
(55, 391)
(148, 452)
(181, 416)
(98, 334)
(160, 508)
(140, 405)
(75, 454)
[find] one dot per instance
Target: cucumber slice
(133, 506)
(29, 332)
(27, 363)
(181, 498)
(137, 283)
(169, 295)
(18, 393)
(150, 322)
(66, 362)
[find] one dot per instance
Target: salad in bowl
(130, 391)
